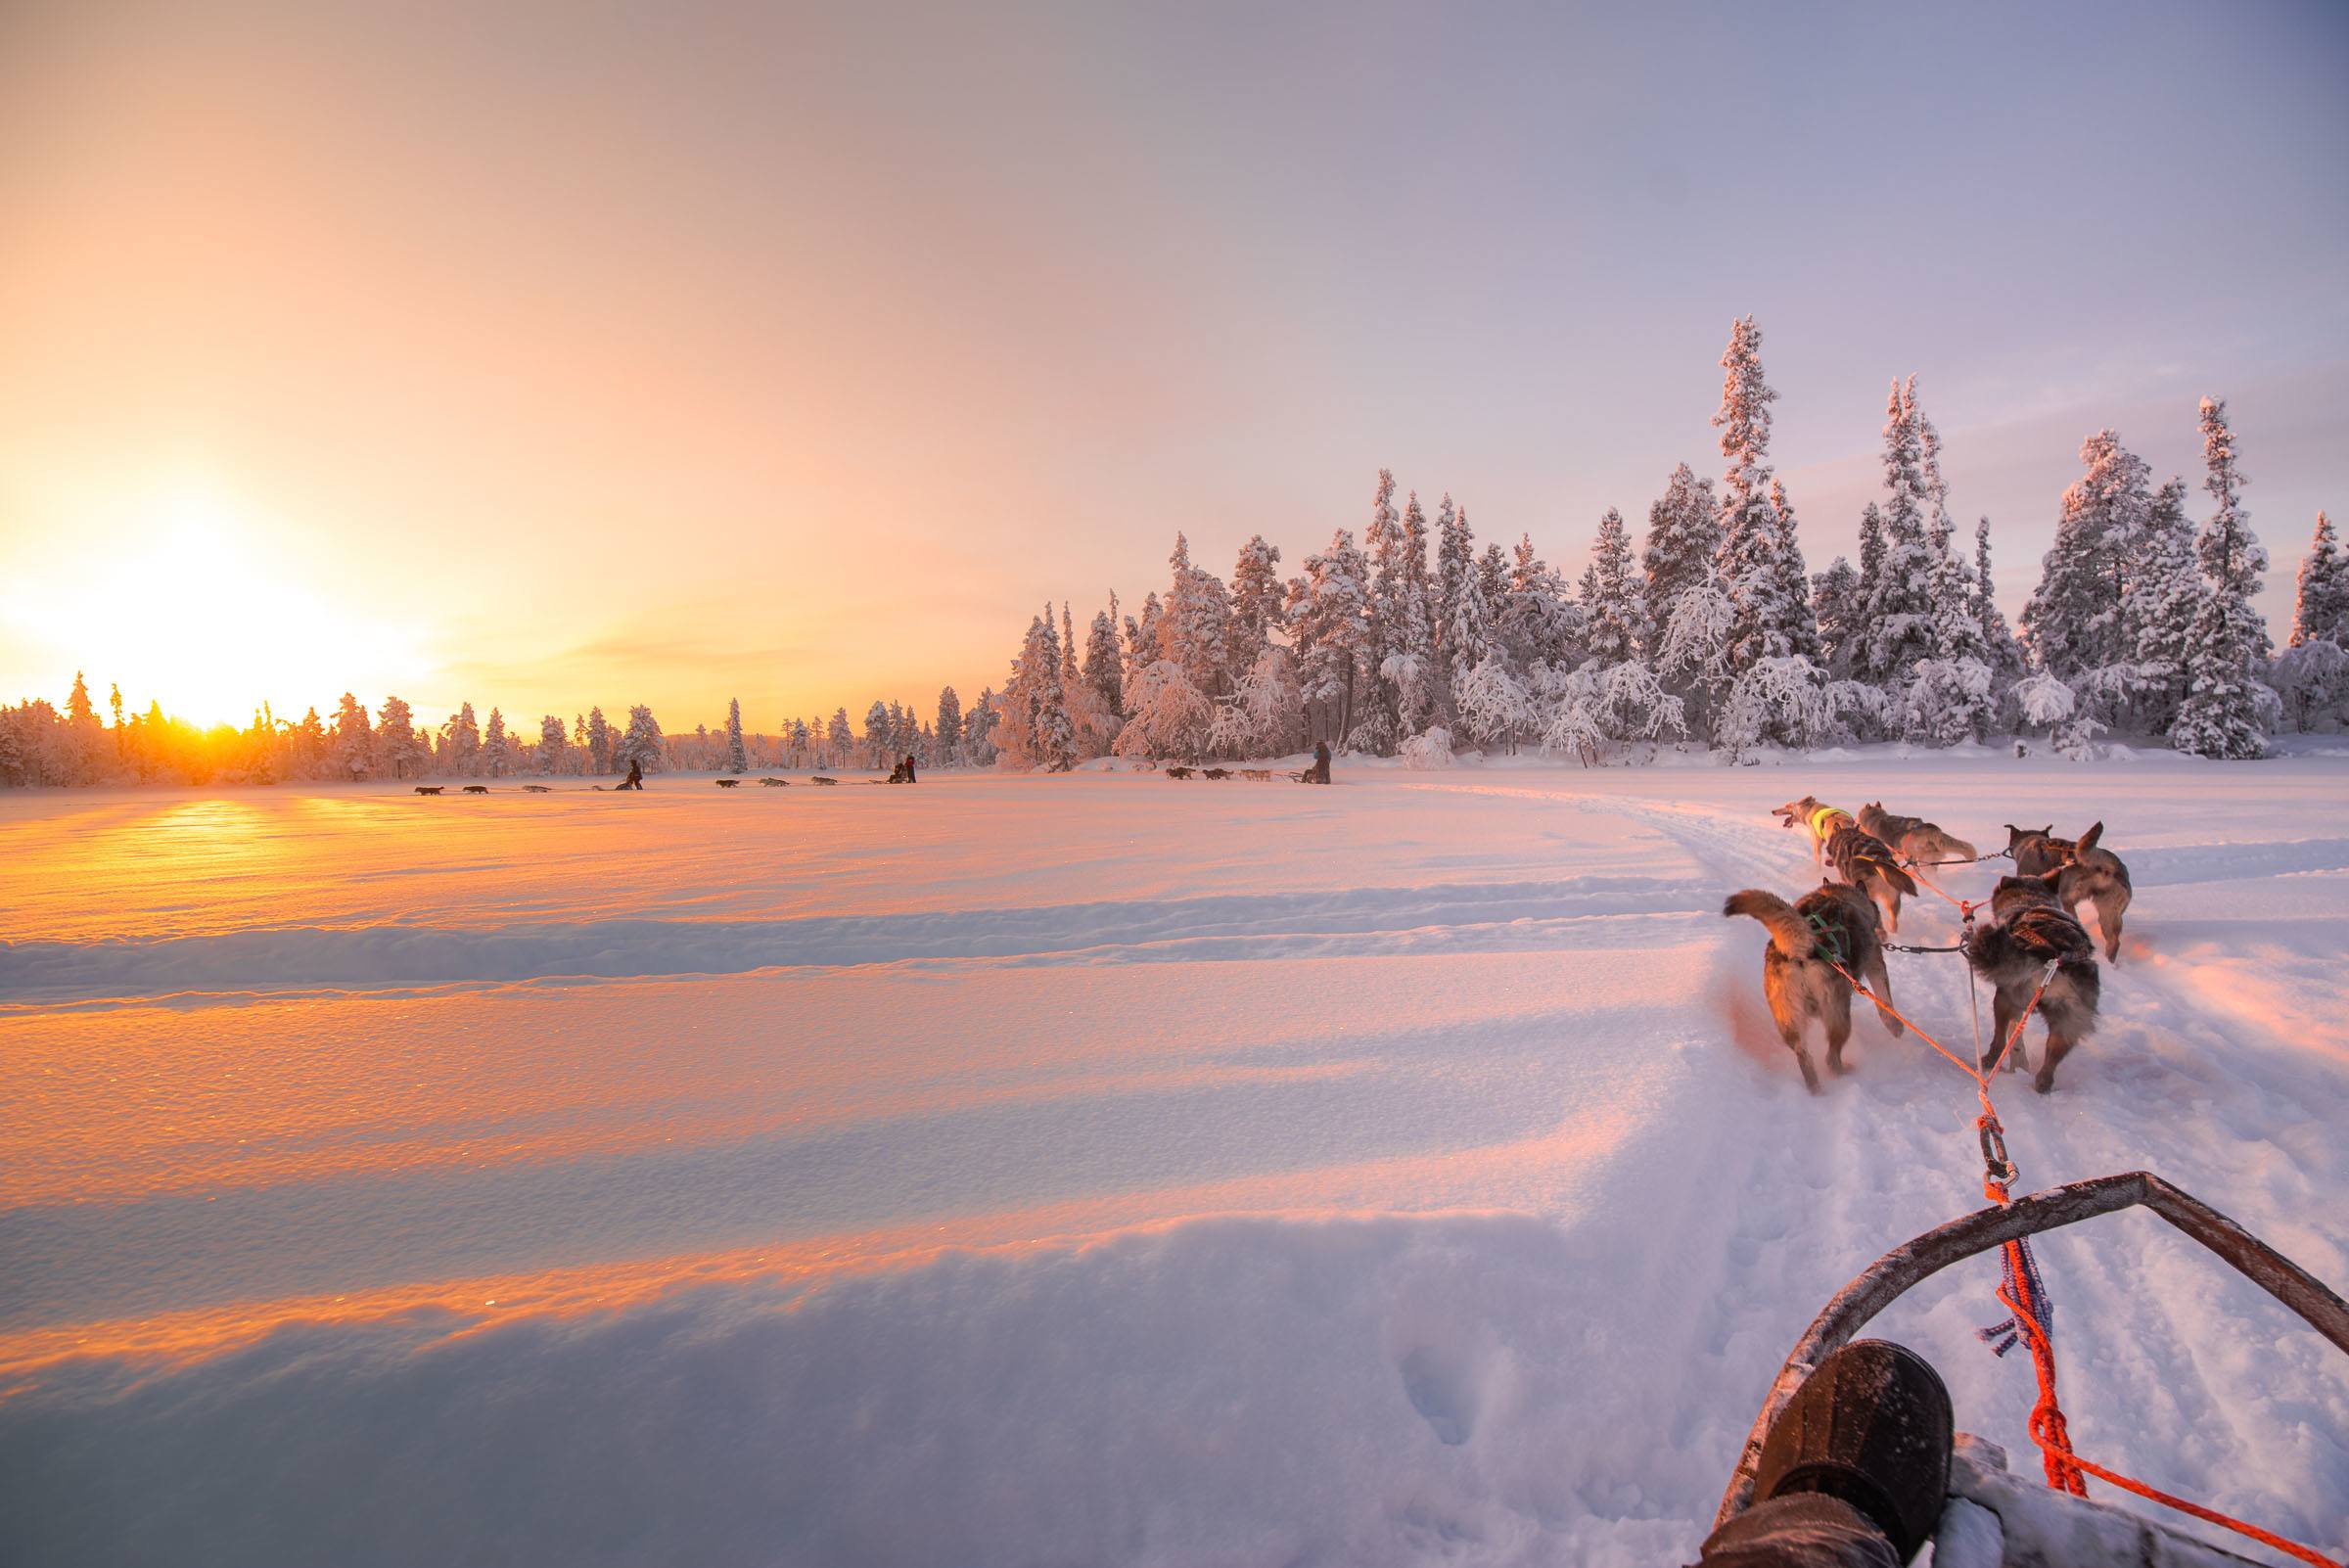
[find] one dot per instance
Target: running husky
(2029, 930)
(1829, 925)
(1858, 856)
(1919, 842)
(2090, 874)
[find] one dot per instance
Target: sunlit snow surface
(1090, 1170)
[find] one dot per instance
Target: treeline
(40, 745)
(1414, 641)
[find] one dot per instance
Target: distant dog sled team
(2025, 942)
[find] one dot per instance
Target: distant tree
(2320, 602)
(1330, 625)
(641, 744)
(839, 739)
(599, 742)
(2222, 713)
(1836, 611)
(737, 759)
(352, 745)
(950, 720)
(494, 745)
(551, 744)
(880, 734)
(461, 742)
(1610, 594)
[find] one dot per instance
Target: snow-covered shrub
(2046, 700)
(2312, 682)
(1862, 711)
(1603, 713)
(1429, 750)
(1170, 717)
(1494, 705)
(1949, 700)
(1779, 702)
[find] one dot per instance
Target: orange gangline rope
(2047, 1426)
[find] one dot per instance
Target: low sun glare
(193, 613)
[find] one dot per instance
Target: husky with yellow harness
(1859, 858)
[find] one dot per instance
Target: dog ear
(2087, 839)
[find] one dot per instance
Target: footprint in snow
(1440, 1391)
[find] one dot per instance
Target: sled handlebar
(1879, 1284)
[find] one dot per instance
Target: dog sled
(1996, 1517)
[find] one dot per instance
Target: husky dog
(1178, 772)
(1917, 839)
(2030, 929)
(1832, 924)
(430, 789)
(476, 789)
(2091, 875)
(775, 783)
(537, 789)
(728, 783)
(1858, 856)
(2037, 851)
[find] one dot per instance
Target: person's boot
(1871, 1426)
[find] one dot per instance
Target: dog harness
(1820, 818)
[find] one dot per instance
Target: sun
(195, 614)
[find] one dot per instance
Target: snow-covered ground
(1087, 1169)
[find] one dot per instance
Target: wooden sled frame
(1890, 1277)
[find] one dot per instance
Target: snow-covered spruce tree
(1684, 536)
(2007, 662)
(1798, 626)
(2320, 596)
(1142, 635)
(599, 742)
(978, 729)
(1611, 595)
(949, 723)
(880, 736)
(2075, 624)
(1195, 630)
(461, 742)
(1537, 622)
(494, 745)
(1468, 635)
(641, 744)
(1257, 596)
(1329, 627)
(1104, 662)
(2165, 596)
(2223, 715)
(1692, 659)
(552, 743)
(1455, 565)
(1769, 599)
(1410, 667)
(2312, 680)
(1835, 609)
(738, 759)
(354, 743)
(840, 740)
(1899, 617)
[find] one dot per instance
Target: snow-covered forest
(1413, 643)
(43, 745)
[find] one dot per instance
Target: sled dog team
(1834, 935)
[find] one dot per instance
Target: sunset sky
(548, 355)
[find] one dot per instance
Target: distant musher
(1319, 774)
(635, 779)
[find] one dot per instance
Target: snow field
(1087, 1170)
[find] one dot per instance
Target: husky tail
(1789, 932)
